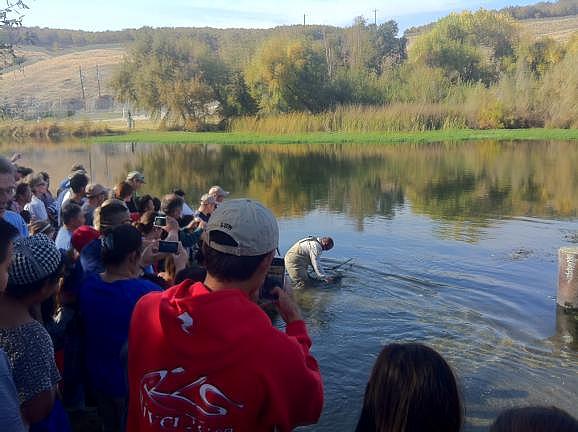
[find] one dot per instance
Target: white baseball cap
(218, 191)
(251, 225)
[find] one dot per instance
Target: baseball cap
(252, 226)
(82, 236)
(95, 189)
(136, 176)
(218, 191)
(34, 259)
(208, 199)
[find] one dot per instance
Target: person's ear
(266, 262)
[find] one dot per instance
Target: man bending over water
(305, 253)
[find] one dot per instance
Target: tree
(10, 17)
(288, 75)
(542, 55)
(469, 46)
(177, 79)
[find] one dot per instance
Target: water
(454, 245)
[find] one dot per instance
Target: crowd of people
(149, 311)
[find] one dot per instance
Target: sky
(98, 15)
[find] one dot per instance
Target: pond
(453, 245)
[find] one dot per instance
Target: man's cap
(135, 176)
(218, 191)
(208, 199)
(251, 225)
(82, 236)
(95, 189)
(35, 258)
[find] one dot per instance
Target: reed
(50, 129)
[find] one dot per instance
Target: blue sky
(120, 14)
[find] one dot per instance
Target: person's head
(411, 389)
(71, 215)
(78, 183)
(41, 227)
(22, 172)
(110, 214)
(146, 226)
(146, 204)
(7, 235)
(7, 184)
(136, 179)
(35, 271)
(172, 205)
(208, 204)
(535, 419)
(218, 193)
(121, 248)
(239, 243)
(195, 274)
(96, 194)
(46, 178)
(77, 168)
(82, 236)
(23, 194)
(37, 184)
(123, 191)
(326, 243)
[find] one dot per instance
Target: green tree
(10, 17)
(469, 46)
(288, 75)
(542, 55)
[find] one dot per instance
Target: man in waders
(303, 254)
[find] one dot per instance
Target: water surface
(454, 245)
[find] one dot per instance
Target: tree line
(476, 64)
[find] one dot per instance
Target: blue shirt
(10, 419)
(91, 257)
(106, 309)
(17, 222)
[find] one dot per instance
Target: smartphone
(160, 221)
(275, 278)
(168, 246)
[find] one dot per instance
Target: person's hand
(172, 225)
(286, 306)
(151, 254)
(181, 258)
(193, 225)
(16, 157)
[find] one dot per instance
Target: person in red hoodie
(204, 357)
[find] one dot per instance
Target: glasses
(9, 191)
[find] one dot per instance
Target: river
(453, 244)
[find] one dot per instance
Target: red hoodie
(212, 362)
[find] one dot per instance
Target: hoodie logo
(187, 322)
(167, 403)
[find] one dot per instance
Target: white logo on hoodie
(187, 322)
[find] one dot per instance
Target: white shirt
(313, 248)
(63, 238)
(37, 209)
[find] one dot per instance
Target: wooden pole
(82, 86)
(568, 278)
(98, 80)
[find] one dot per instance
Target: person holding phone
(206, 354)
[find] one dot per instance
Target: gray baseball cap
(252, 226)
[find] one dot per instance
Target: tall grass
(47, 129)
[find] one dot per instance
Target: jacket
(212, 361)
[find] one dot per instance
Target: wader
(297, 265)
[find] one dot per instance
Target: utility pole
(375, 17)
(98, 79)
(303, 20)
(82, 86)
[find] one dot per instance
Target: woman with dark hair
(145, 204)
(22, 196)
(147, 228)
(34, 276)
(36, 206)
(411, 389)
(535, 419)
(106, 304)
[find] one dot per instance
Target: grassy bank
(338, 138)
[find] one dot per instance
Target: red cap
(83, 236)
